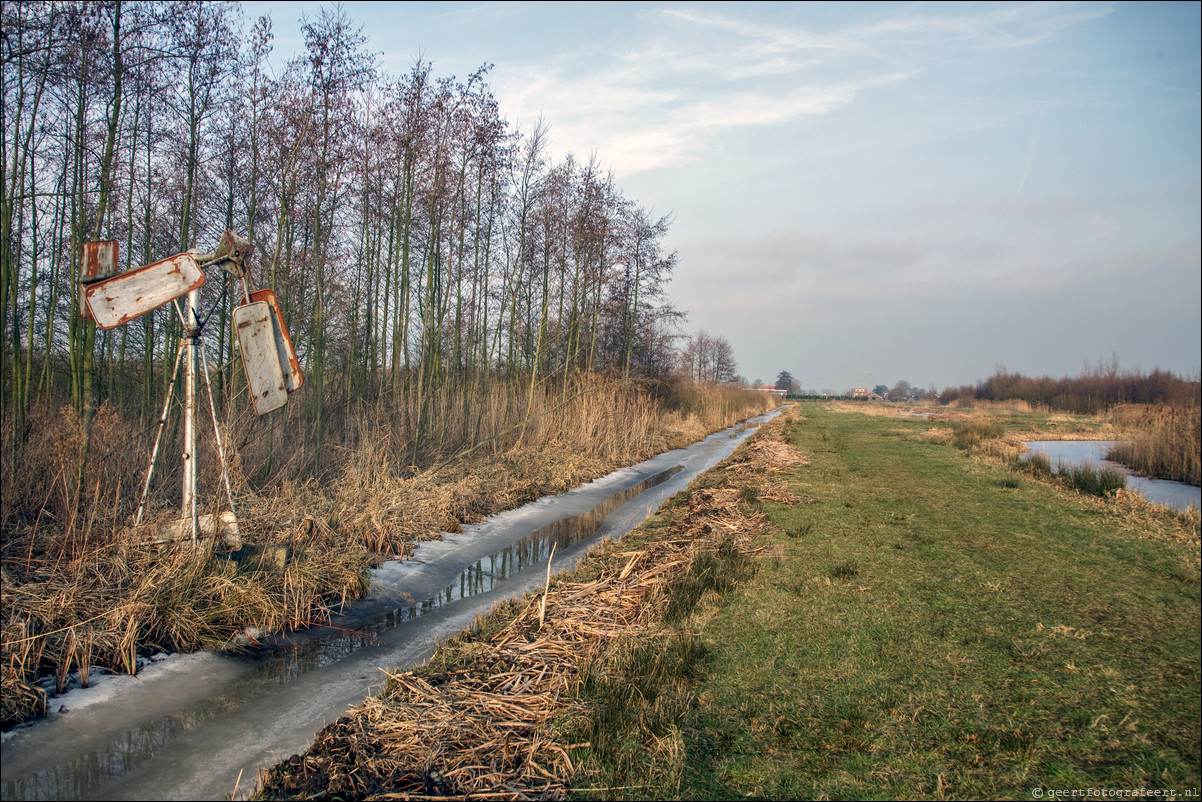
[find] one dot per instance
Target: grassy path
(930, 627)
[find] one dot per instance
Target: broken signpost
(272, 370)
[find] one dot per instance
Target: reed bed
(1004, 405)
(482, 719)
(82, 592)
(104, 610)
(1092, 480)
(1165, 442)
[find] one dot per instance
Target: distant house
(865, 393)
(776, 390)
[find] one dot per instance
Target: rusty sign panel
(97, 260)
(125, 296)
(293, 377)
(254, 327)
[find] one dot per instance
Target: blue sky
(868, 192)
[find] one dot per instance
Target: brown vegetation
(80, 589)
(1096, 390)
(477, 323)
(1158, 412)
(434, 266)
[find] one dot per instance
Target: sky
(863, 193)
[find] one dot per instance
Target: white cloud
(653, 101)
(1005, 26)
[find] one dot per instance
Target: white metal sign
(293, 376)
(125, 296)
(254, 326)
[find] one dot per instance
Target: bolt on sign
(121, 298)
(293, 377)
(255, 330)
(97, 260)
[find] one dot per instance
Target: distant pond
(1174, 495)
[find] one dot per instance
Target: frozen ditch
(195, 726)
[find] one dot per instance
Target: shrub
(967, 435)
(1038, 464)
(1090, 479)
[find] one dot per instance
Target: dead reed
(106, 609)
(81, 591)
(1004, 405)
(480, 720)
(1164, 442)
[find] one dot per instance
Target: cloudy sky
(868, 192)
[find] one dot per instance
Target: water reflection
(482, 576)
(86, 775)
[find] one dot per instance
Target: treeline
(1097, 389)
(432, 263)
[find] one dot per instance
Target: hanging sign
(125, 296)
(293, 377)
(254, 328)
(97, 260)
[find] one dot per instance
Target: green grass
(641, 688)
(930, 628)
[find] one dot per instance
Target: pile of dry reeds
(476, 722)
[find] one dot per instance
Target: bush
(967, 435)
(1038, 464)
(1090, 479)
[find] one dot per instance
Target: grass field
(926, 624)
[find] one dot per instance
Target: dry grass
(80, 591)
(889, 410)
(1007, 405)
(106, 608)
(478, 722)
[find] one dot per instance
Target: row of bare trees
(422, 250)
(1099, 388)
(709, 358)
